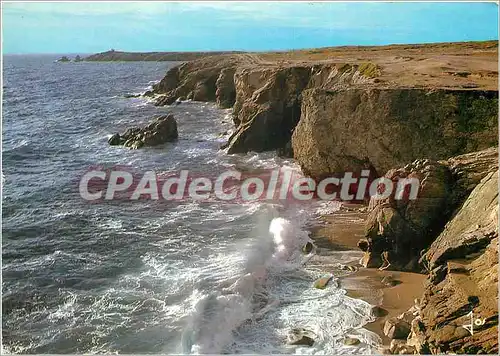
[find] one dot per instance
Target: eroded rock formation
(351, 110)
(457, 248)
(161, 130)
(342, 130)
(398, 229)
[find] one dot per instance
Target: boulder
(115, 140)
(301, 337)
(322, 282)
(395, 328)
(351, 341)
(161, 130)
(308, 247)
(389, 281)
(379, 312)
(401, 347)
(165, 100)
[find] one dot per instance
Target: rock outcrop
(397, 230)
(200, 80)
(267, 108)
(343, 130)
(226, 92)
(64, 59)
(324, 98)
(163, 129)
(459, 254)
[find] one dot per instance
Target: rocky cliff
(344, 129)
(450, 232)
(375, 106)
(410, 107)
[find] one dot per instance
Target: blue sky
(87, 27)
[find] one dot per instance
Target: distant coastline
(116, 56)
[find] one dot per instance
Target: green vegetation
(369, 69)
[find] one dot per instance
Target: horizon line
(254, 51)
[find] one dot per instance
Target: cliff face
(450, 233)
(463, 261)
(365, 108)
(409, 107)
(344, 129)
(205, 79)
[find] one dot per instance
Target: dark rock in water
(115, 140)
(351, 341)
(162, 129)
(149, 93)
(379, 312)
(64, 59)
(301, 337)
(395, 328)
(132, 95)
(165, 100)
(308, 247)
(78, 58)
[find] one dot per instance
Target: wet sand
(337, 235)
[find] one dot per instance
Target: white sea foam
(255, 312)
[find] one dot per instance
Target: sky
(89, 27)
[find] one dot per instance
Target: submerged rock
(301, 337)
(351, 341)
(378, 311)
(322, 282)
(163, 129)
(308, 247)
(389, 281)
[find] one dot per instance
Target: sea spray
(217, 315)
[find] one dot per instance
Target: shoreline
(338, 233)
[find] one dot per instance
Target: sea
(148, 276)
